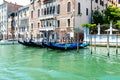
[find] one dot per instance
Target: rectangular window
(42, 12)
(31, 27)
(100, 2)
(96, 1)
(53, 9)
(86, 11)
(31, 14)
(58, 9)
(50, 10)
(68, 21)
(38, 25)
(118, 1)
(79, 10)
(68, 7)
(106, 5)
(42, 23)
(25, 13)
(38, 12)
(58, 23)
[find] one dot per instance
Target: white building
(23, 22)
(12, 26)
(3, 20)
(118, 1)
(5, 9)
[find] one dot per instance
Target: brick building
(34, 22)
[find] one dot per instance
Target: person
(30, 40)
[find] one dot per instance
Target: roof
(6, 2)
(12, 7)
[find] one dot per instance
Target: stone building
(6, 8)
(23, 22)
(34, 22)
(60, 19)
(103, 4)
(118, 1)
(12, 26)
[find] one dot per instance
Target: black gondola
(68, 46)
(37, 44)
(31, 43)
(25, 43)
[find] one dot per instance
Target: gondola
(31, 43)
(68, 46)
(25, 43)
(37, 44)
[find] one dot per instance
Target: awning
(114, 30)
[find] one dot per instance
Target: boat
(30, 43)
(68, 46)
(8, 42)
(24, 43)
(37, 44)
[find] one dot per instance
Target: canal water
(18, 62)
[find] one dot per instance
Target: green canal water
(18, 62)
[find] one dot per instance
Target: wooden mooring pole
(78, 42)
(108, 46)
(91, 44)
(95, 42)
(116, 44)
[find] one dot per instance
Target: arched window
(38, 12)
(79, 10)
(68, 7)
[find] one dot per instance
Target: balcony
(47, 17)
(46, 29)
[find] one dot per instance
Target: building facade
(5, 9)
(60, 19)
(118, 1)
(34, 22)
(48, 20)
(23, 22)
(103, 4)
(12, 26)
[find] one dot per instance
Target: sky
(20, 2)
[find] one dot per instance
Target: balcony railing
(46, 28)
(46, 16)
